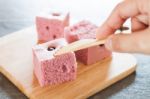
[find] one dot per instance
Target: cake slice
(86, 30)
(50, 27)
(53, 70)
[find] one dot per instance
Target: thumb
(137, 42)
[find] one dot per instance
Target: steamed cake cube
(92, 55)
(81, 30)
(86, 30)
(50, 27)
(50, 69)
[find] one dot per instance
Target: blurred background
(19, 14)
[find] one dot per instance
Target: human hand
(136, 42)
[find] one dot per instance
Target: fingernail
(108, 44)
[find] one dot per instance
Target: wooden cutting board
(16, 65)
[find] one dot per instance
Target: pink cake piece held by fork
(86, 30)
(51, 26)
(50, 69)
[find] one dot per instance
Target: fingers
(124, 10)
(136, 42)
(138, 24)
(143, 18)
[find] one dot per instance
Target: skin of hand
(136, 42)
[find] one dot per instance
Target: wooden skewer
(82, 44)
(78, 45)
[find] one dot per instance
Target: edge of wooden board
(89, 93)
(16, 83)
(113, 81)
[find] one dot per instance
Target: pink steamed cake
(50, 69)
(86, 30)
(50, 27)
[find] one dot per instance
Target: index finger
(119, 15)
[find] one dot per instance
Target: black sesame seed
(101, 45)
(123, 28)
(51, 48)
(54, 36)
(47, 27)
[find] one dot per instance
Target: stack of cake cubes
(54, 32)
